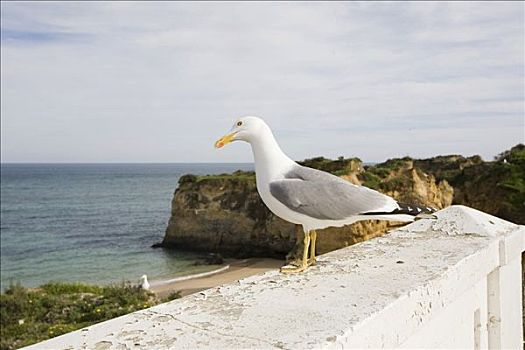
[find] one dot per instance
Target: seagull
(309, 197)
(144, 284)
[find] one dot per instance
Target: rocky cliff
(496, 187)
(223, 213)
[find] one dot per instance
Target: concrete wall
(454, 282)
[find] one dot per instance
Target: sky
(162, 81)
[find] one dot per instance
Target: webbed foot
(293, 269)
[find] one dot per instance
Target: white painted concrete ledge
(453, 282)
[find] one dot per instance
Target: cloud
(138, 81)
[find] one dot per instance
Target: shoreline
(232, 271)
(158, 283)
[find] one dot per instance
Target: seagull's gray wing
(325, 196)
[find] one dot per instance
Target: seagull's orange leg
(313, 237)
(304, 262)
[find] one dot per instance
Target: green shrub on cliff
(370, 180)
(28, 315)
(340, 166)
(512, 164)
(237, 175)
(515, 155)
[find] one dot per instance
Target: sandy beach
(237, 269)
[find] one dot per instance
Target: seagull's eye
(239, 123)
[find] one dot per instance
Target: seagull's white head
(244, 129)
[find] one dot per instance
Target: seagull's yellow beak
(225, 140)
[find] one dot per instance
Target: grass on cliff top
(239, 175)
(375, 176)
(336, 167)
(29, 316)
(372, 177)
(340, 166)
(392, 164)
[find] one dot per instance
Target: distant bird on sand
(144, 284)
(310, 197)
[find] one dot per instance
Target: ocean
(92, 223)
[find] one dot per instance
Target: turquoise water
(91, 223)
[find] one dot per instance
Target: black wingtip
(415, 210)
(408, 209)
